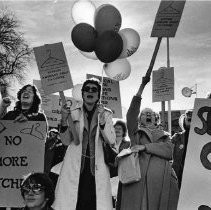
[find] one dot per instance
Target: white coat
(67, 185)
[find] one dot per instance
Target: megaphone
(187, 92)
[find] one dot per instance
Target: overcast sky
(46, 22)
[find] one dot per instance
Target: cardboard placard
(22, 147)
(163, 84)
(167, 18)
(195, 189)
(53, 68)
(110, 95)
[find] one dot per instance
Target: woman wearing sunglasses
(38, 192)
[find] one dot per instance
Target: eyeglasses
(35, 188)
(88, 89)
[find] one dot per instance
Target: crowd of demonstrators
(37, 191)
(84, 181)
(26, 108)
(54, 153)
(157, 188)
(180, 141)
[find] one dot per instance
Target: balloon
(76, 92)
(118, 70)
(108, 46)
(83, 11)
(107, 17)
(90, 55)
(131, 42)
(83, 36)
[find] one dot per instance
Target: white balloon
(118, 70)
(83, 11)
(131, 42)
(76, 92)
(90, 55)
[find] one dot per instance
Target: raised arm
(134, 109)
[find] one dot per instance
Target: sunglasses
(35, 188)
(92, 89)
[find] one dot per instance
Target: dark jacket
(180, 141)
(11, 115)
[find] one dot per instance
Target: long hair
(45, 181)
(36, 101)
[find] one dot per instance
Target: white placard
(53, 68)
(22, 147)
(163, 85)
(167, 18)
(195, 189)
(110, 95)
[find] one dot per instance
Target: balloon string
(101, 90)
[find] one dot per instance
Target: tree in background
(15, 53)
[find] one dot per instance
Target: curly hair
(93, 81)
(45, 181)
(36, 101)
(123, 125)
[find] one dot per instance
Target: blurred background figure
(208, 95)
(121, 132)
(54, 153)
(38, 192)
(180, 141)
(121, 143)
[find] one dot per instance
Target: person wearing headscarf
(157, 188)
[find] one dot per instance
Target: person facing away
(37, 192)
(157, 188)
(84, 181)
(180, 141)
(26, 108)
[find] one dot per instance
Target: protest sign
(167, 18)
(175, 115)
(52, 104)
(110, 95)
(53, 68)
(22, 147)
(163, 84)
(195, 189)
(53, 114)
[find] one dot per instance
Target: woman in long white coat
(84, 181)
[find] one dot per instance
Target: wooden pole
(152, 62)
(169, 102)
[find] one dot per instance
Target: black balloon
(109, 46)
(83, 36)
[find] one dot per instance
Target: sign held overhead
(167, 18)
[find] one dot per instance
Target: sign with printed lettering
(110, 95)
(22, 147)
(163, 84)
(53, 68)
(52, 104)
(195, 190)
(167, 18)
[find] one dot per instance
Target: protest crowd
(80, 144)
(78, 156)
